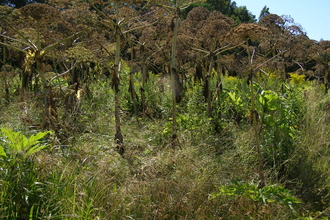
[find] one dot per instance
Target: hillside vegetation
(136, 111)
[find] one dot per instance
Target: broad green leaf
(16, 139)
(39, 136)
(33, 150)
(18, 143)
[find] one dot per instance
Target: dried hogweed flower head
(272, 21)
(198, 14)
(39, 11)
(5, 11)
(217, 15)
(248, 31)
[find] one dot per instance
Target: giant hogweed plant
(120, 24)
(31, 45)
(21, 192)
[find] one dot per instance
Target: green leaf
(33, 150)
(236, 99)
(39, 135)
(2, 152)
(15, 139)
(268, 194)
(18, 143)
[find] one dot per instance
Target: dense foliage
(161, 110)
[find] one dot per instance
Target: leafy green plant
(236, 100)
(265, 195)
(17, 143)
(280, 114)
(21, 190)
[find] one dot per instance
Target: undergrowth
(211, 174)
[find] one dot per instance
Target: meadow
(269, 163)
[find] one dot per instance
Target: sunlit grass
(83, 176)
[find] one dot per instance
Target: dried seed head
(215, 29)
(39, 11)
(126, 12)
(271, 21)
(217, 15)
(325, 44)
(80, 54)
(198, 14)
(5, 11)
(248, 31)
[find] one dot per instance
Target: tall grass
(310, 166)
(81, 176)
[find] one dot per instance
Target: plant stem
(208, 81)
(144, 78)
(255, 123)
(119, 139)
(219, 85)
(173, 80)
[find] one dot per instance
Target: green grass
(81, 175)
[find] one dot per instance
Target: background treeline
(161, 110)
